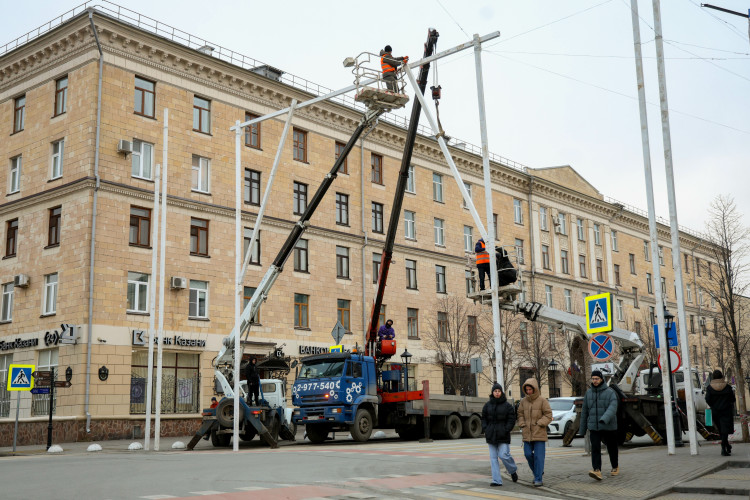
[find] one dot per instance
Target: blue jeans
(534, 453)
(501, 451)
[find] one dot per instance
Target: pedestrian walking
(483, 262)
(389, 65)
(498, 419)
(599, 417)
(253, 381)
(720, 397)
(534, 415)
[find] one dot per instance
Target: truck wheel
(249, 433)
(225, 413)
(220, 440)
(317, 433)
(362, 426)
(274, 428)
(472, 427)
(453, 427)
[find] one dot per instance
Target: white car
(563, 415)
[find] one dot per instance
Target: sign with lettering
(140, 337)
(310, 349)
(18, 344)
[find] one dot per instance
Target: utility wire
(723, 22)
(707, 48)
(606, 56)
(453, 18)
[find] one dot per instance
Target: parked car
(563, 415)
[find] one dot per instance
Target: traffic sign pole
(51, 403)
(15, 428)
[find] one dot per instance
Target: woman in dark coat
(720, 397)
(498, 419)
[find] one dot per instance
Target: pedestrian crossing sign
(19, 377)
(598, 313)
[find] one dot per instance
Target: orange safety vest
(483, 257)
(387, 68)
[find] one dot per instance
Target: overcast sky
(559, 82)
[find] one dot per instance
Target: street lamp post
(553, 383)
(677, 421)
(406, 358)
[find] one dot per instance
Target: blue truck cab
(336, 391)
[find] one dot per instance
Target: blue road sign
(40, 390)
(671, 336)
(601, 347)
(19, 377)
(598, 313)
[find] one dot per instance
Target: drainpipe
(364, 230)
(93, 222)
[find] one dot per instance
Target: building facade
(78, 215)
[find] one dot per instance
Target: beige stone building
(78, 208)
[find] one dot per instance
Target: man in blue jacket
(599, 416)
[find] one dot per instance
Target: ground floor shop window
(458, 380)
(5, 361)
(180, 385)
(40, 402)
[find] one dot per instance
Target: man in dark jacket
(506, 273)
(498, 419)
(599, 416)
(253, 381)
(720, 397)
(483, 262)
(389, 65)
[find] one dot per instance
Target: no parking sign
(601, 347)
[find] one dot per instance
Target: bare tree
(730, 246)
(509, 341)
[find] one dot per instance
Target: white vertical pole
(152, 309)
(488, 205)
(237, 278)
(663, 348)
(162, 245)
(675, 229)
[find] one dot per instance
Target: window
(137, 292)
(252, 132)
(342, 209)
(5, 362)
(661, 255)
(581, 229)
(437, 187)
(377, 217)
(439, 230)
(412, 322)
(582, 265)
(632, 263)
(517, 213)
(707, 358)
(564, 261)
(53, 232)
(19, 113)
(562, 224)
(343, 308)
(440, 279)
(716, 328)
(381, 315)
(710, 273)
(142, 159)
(494, 224)
(617, 274)
(442, 326)
(543, 219)
(300, 198)
(548, 295)
(181, 382)
(568, 300)
(14, 182)
(201, 167)
(411, 274)
(61, 96)
(7, 307)
(700, 296)
(410, 183)
(342, 262)
(248, 293)
(620, 314)
(252, 187)
(198, 307)
(198, 237)
(692, 324)
(410, 232)
(545, 256)
(471, 326)
(50, 294)
(201, 115)
(300, 256)
(651, 315)
(299, 145)
(376, 260)
(338, 150)
(664, 286)
(376, 161)
(646, 251)
(551, 337)
(599, 270)
(635, 297)
(519, 250)
(468, 191)
(613, 233)
(145, 98)
(695, 352)
(597, 234)
(637, 326)
(140, 227)
(468, 239)
(689, 294)
(523, 327)
(697, 266)
(301, 304)
(56, 168)
(11, 237)
(470, 286)
(687, 265)
(247, 236)
(40, 402)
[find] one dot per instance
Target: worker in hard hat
(389, 66)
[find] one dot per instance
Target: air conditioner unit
(21, 280)
(124, 146)
(177, 283)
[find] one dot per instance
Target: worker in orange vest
(389, 64)
(483, 261)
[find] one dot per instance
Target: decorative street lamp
(406, 358)
(553, 383)
(677, 421)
